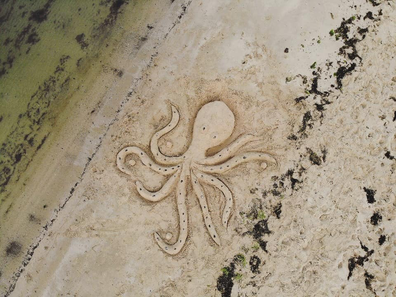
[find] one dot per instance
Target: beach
(280, 114)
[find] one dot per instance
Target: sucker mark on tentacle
(162, 193)
(237, 160)
(229, 200)
(230, 150)
(204, 206)
(181, 193)
(145, 159)
(158, 155)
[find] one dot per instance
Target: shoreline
(72, 149)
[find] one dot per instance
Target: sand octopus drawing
(213, 125)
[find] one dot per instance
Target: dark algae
(278, 210)
(374, 3)
(33, 38)
(301, 98)
(306, 122)
(263, 245)
(240, 259)
(369, 15)
(13, 249)
(389, 156)
(342, 72)
(370, 195)
(348, 34)
(359, 260)
(260, 229)
(381, 239)
(255, 263)
(41, 14)
(375, 218)
(225, 281)
(233, 272)
(81, 41)
(314, 158)
(368, 278)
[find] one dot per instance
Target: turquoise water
(46, 48)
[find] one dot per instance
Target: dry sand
(320, 222)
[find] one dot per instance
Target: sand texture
(248, 150)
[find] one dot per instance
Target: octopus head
(213, 125)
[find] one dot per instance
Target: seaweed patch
(381, 239)
(40, 15)
(306, 122)
(225, 281)
(21, 141)
(13, 249)
(255, 263)
(359, 260)
(313, 104)
(115, 9)
(314, 158)
(33, 38)
(370, 195)
(368, 278)
(81, 41)
(278, 210)
(375, 218)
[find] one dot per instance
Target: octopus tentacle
(204, 206)
(162, 193)
(158, 155)
(237, 160)
(230, 150)
(229, 200)
(181, 193)
(145, 159)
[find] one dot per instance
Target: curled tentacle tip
(157, 237)
(275, 162)
(271, 160)
(263, 165)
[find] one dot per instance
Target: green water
(46, 47)
(53, 55)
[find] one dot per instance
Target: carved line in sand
(213, 125)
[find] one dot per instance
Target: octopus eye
(203, 128)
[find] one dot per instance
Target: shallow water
(46, 49)
(51, 53)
